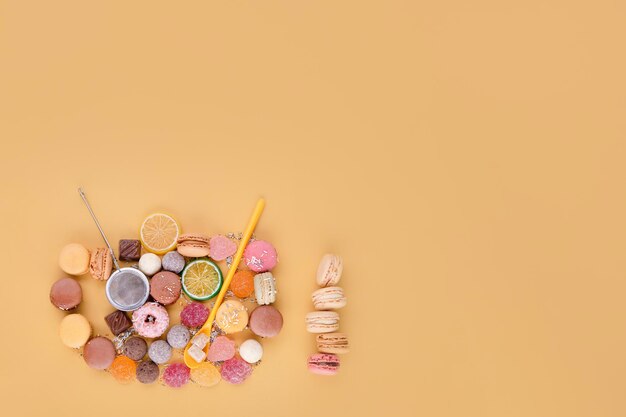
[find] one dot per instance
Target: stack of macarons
(324, 321)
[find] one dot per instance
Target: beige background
(466, 159)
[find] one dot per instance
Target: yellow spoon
(208, 325)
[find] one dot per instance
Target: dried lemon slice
(159, 233)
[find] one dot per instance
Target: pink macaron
(323, 363)
(260, 256)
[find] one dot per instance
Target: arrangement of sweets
(169, 268)
(324, 322)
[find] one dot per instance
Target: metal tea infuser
(127, 288)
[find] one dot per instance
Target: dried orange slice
(159, 233)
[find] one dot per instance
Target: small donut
(151, 320)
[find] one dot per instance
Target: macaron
(99, 353)
(329, 298)
(74, 331)
(265, 288)
(66, 294)
(329, 270)
(323, 364)
(149, 264)
(260, 256)
(231, 316)
(333, 343)
(322, 321)
(74, 259)
(193, 245)
(100, 264)
(135, 348)
(251, 351)
(266, 321)
(165, 287)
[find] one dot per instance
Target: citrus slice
(159, 233)
(202, 279)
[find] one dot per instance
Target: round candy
(66, 294)
(194, 315)
(221, 247)
(221, 349)
(149, 264)
(147, 372)
(236, 370)
(74, 331)
(260, 256)
(242, 284)
(173, 261)
(176, 375)
(160, 351)
(135, 348)
(99, 353)
(251, 351)
(178, 336)
(165, 287)
(206, 375)
(266, 321)
(151, 320)
(123, 369)
(231, 317)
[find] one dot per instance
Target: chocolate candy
(147, 372)
(118, 322)
(130, 250)
(135, 348)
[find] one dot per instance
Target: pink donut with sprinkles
(151, 320)
(260, 256)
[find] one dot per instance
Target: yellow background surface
(465, 158)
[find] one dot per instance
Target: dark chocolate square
(118, 322)
(130, 250)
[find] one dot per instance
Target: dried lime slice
(202, 279)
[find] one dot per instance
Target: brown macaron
(66, 294)
(266, 321)
(193, 245)
(101, 264)
(99, 353)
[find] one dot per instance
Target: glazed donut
(151, 320)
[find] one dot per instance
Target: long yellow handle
(208, 325)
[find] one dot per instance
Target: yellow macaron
(75, 330)
(74, 259)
